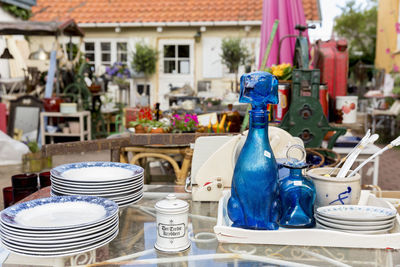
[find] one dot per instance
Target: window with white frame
(105, 50)
(90, 53)
(122, 52)
(176, 59)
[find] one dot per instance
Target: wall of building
(388, 42)
(207, 65)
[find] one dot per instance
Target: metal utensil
(392, 144)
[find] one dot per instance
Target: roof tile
(113, 11)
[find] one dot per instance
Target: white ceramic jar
(335, 191)
(172, 224)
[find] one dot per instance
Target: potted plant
(144, 61)
(184, 124)
(145, 123)
(119, 73)
(234, 54)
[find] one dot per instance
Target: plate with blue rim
(97, 187)
(356, 212)
(59, 234)
(102, 193)
(62, 212)
(97, 172)
(66, 252)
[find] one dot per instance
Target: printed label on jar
(171, 230)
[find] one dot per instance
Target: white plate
(97, 188)
(89, 240)
(47, 235)
(382, 231)
(130, 199)
(126, 195)
(355, 223)
(356, 227)
(131, 190)
(96, 171)
(356, 213)
(62, 253)
(59, 212)
(129, 202)
(98, 184)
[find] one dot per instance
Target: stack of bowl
(120, 182)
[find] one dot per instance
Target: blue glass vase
(297, 196)
(254, 193)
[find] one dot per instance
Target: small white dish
(355, 223)
(355, 227)
(356, 213)
(370, 232)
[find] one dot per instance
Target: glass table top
(134, 245)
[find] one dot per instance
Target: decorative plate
(355, 223)
(356, 213)
(67, 252)
(59, 212)
(55, 235)
(382, 231)
(96, 171)
(60, 245)
(97, 187)
(355, 227)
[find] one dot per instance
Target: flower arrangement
(282, 71)
(184, 123)
(119, 72)
(147, 124)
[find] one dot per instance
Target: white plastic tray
(307, 237)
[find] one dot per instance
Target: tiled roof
(312, 10)
(147, 11)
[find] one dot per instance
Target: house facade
(387, 54)
(187, 34)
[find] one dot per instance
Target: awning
(68, 28)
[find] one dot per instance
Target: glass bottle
(297, 196)
(254, 193)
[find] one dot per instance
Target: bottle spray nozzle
(259, 89)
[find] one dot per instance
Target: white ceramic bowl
(335, 191)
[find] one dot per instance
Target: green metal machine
(305, 117)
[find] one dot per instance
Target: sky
(329, 9)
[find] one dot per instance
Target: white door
(176, 67)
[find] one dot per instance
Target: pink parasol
(289, 13)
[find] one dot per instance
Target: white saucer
(356, 213)
(382, 231)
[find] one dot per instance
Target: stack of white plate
(59, 226)
(356, 219)
(120, 182)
